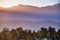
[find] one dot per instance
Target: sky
(49, 13)
(38, 3)
(53, 15)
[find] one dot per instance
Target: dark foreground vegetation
(20, 34)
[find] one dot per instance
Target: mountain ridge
(29, 6)
(30, 16)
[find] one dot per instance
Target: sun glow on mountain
(38, 3)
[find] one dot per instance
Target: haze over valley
(30, 17)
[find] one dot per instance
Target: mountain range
(30, 17)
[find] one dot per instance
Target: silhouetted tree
(20, 34)
(58, 34)
(51, 33)
(13, 34)
(4, 34)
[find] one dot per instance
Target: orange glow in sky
(39, 3)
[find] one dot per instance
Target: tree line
(20, 34)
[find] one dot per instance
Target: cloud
(39, 3)
(44, 13)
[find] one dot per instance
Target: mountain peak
(29, 7)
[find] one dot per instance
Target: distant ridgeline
(20, 34)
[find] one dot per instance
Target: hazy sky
(39, 3)
(49, 14)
